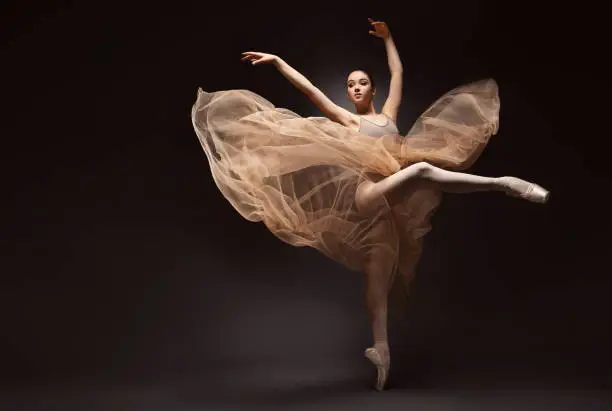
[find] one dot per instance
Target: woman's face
(359, 88)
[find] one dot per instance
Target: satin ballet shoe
(516, 187)
(382, 367)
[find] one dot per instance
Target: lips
(357, 95)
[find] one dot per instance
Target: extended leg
(423, 173)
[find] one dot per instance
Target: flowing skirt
(299, 176)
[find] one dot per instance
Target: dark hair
(367, 72)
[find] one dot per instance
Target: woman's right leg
(379, 275)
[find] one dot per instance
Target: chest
(376, 126)
(377, 120)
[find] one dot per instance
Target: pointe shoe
(516, 187)
(382, 367)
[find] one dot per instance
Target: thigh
(385, 202)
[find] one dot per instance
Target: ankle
(382, 347)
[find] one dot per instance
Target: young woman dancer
(349, 184)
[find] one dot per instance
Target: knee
(367, 199)
(363, 196)
(422, 170)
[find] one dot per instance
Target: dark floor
(308, 388)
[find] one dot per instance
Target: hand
(258, 58)
(380, 29)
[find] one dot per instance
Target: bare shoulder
(331, 110)
(351, 120)
(344, 117)
(390, 114)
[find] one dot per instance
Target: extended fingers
(250, 55)
(377, 24)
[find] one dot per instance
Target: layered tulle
(299, 175)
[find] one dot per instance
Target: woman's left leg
(416, 175)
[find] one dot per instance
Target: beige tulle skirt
(299, 175)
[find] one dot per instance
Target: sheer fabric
(299, 175)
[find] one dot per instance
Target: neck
(365, 109)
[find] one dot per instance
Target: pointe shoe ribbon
(526, 190)
(536, 194)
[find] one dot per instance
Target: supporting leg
(378, 282)
(408, 261)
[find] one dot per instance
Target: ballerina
(349, 184)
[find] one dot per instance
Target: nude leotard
(374, 130)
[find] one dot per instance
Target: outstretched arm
(394, 99)
(331, 110)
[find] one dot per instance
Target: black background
(122, 263)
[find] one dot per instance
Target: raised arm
(331, 110)
(394, 99)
